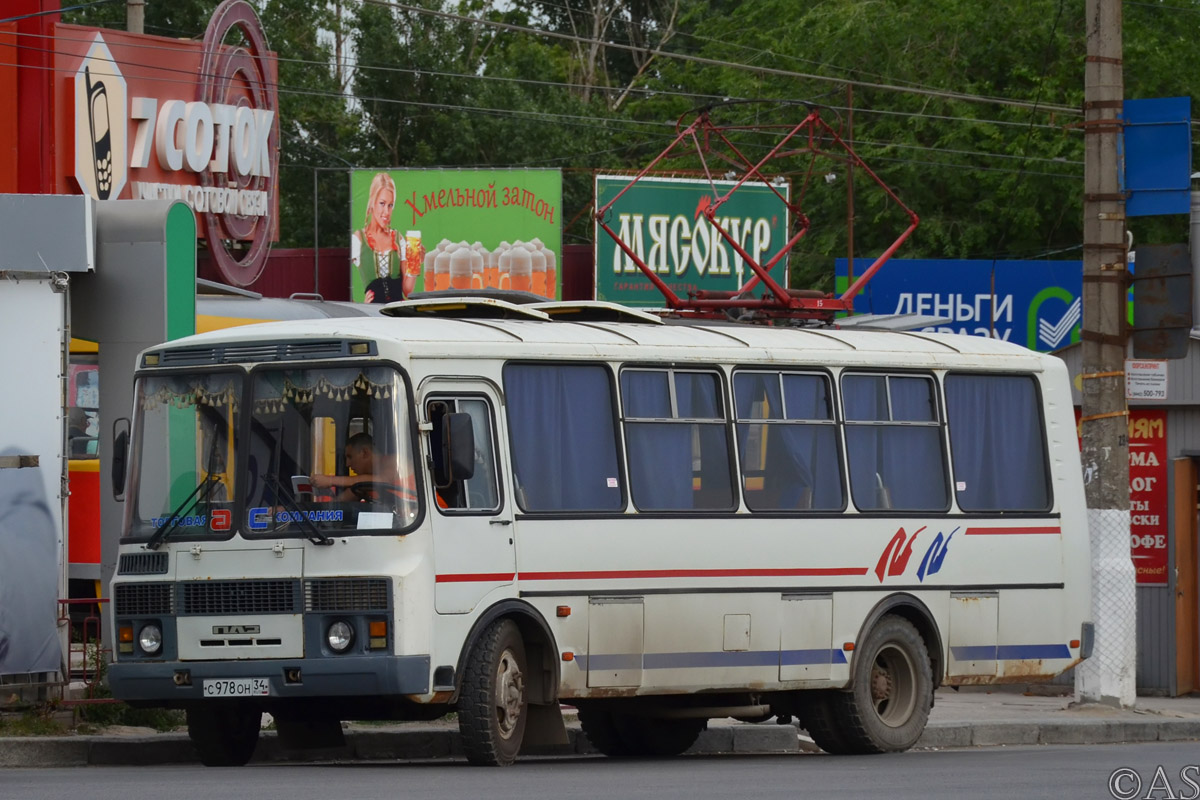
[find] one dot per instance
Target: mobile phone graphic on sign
(97, 97)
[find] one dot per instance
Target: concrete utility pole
(1110, 675)
(135, 16)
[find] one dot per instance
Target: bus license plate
(237, 687)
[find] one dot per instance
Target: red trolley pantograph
(812, 138)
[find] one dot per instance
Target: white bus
(657, 523)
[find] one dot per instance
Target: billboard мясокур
(400, 218)
(662, 220)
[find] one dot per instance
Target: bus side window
(676, 439)
(479, 492)
(894, 442)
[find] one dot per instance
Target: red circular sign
(238, 75)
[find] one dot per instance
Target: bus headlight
(340, 636)
(150, 639)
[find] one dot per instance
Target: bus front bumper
(182, 681)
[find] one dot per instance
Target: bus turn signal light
(563, 611)
(848, 646)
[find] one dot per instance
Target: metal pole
(316, 244)
(850, 187)
(135, 16)
(1110, 675)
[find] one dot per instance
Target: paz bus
(658, 523)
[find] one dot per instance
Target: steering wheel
(374, 491)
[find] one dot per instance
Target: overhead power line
(939, 93)
(610, 124)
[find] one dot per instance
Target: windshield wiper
(315, 535)
(203, 489)
(200, 493)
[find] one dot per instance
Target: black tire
(600, 728)
(493, 706)
(224, 735)
(628, 736)
(888, 705)
(817, 713)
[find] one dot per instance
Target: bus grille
(346, 594)
(143, 564)
(239, 597)
(142, 599)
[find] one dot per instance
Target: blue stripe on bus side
(746, 658)
(1010, 652)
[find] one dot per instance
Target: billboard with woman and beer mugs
(418, 230)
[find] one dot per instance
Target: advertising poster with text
(415, 230)
(1036, 304)
(1148, 533)
(1148, 494)
(662, 220)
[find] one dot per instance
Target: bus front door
(472, 524)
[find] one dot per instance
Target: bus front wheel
(493, 705)
(224, 735)
(888, 706)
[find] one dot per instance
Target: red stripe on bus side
(480, 577)
(998, 531)
(692, 573)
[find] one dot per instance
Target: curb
(1089, 731)
(432, 743)
(383, 745)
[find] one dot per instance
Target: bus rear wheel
(627, 736)
(493, 705)
(888, 706)
(224, 735)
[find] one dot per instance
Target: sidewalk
(968, 718)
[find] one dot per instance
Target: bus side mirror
(120, 457)
(458, 447)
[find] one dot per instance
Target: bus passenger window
(564, 444)
(894, 443)
(676, 439)
(788, 443)
(478, 493)
(997, 443)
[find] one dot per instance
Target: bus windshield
(183, 449)
(285, 452)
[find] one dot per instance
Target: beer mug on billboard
(538, 284)
(414, 256)
(460, 267)
(520, 269)
(441, 269)
(478, 260)
(551, 274)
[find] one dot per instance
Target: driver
(367, 467)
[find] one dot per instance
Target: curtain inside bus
(894, 444)
(564, 444)
(996, 442)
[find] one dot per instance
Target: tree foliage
(598, 84)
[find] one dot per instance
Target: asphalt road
(1059, 772)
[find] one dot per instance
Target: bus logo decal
(932, 562)
(894, 559)
(258, 518)
(221, 519)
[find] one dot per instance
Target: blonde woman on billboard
(377, 253)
